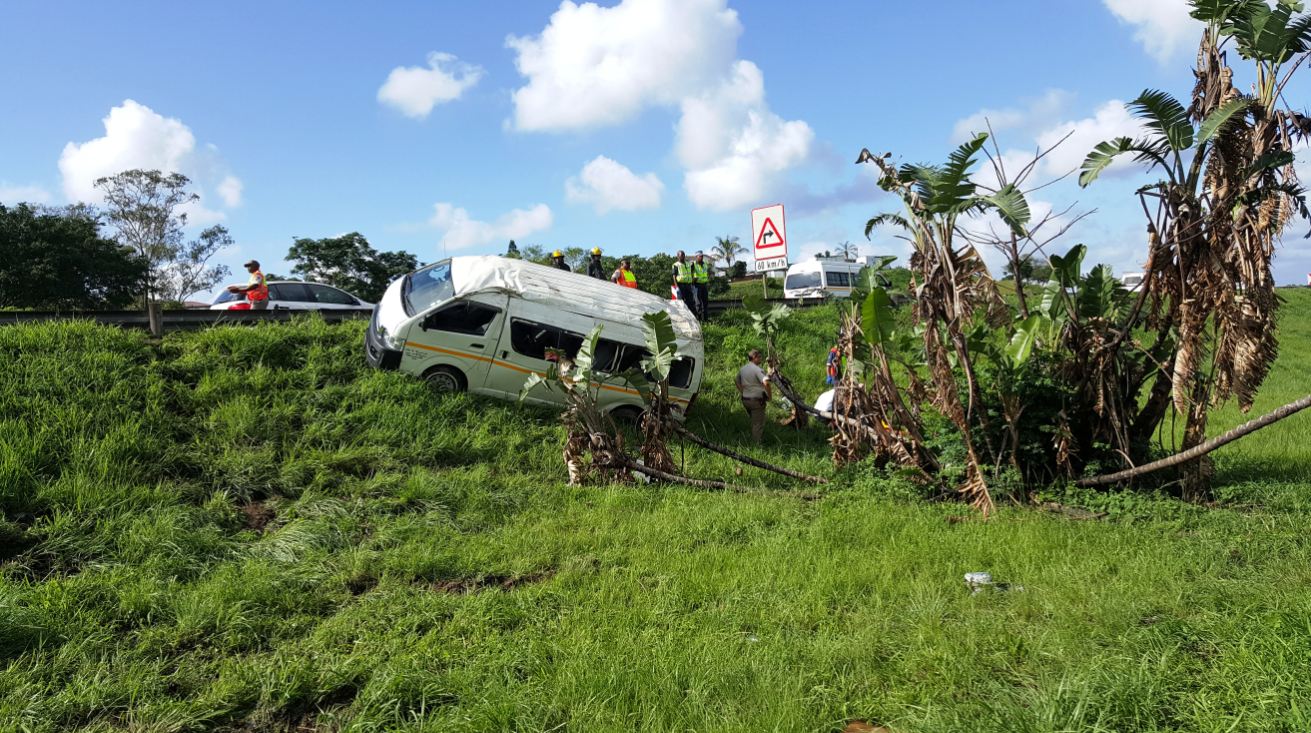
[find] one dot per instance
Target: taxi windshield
(427, 287)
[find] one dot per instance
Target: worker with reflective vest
(685, 281)
(256, 291)
(701, 284)
(624, 275)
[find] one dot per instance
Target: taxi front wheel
(445, 380)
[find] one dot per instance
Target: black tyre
(445, 380)
(626, 415)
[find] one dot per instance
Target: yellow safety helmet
(596, 250)
(557, 253)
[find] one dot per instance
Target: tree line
(134, 249)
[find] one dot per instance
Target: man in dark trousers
(701, 284)
(557, 261)
(684, 281)
(594, 268)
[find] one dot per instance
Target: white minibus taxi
(483, 324)
(821, 277)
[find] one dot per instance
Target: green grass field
(245, 529)
(751, 289)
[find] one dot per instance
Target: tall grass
(247, 529)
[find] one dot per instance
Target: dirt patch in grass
(308, 715)
(361, 584)
(460, 586)
(257, 515)
(861, 726)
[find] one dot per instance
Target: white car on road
(288, 295)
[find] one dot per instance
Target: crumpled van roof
(568, 291)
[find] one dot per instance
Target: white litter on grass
(978, 582)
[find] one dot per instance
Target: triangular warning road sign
(769, 236)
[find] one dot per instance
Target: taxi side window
(532, 339)
(465, 317)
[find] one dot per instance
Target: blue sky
(641, 126)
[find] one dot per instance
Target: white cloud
(11, 194)
(594, 66)
(229, 189)
(1163, 27)
(1110, 120)
(1036, 113)
(732, 146)
(611, 186)
(138, 137)
(415, 90)
(461, 231)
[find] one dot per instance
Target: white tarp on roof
(568, 291)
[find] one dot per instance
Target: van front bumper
(376, 351)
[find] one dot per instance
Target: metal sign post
(769, 241)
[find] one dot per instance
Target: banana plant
(951, 282)
(651, 379)
(1227, 191)
(1177, 146)
(767, 323)
(589, 431)
(1069, 298)
(1269, 36)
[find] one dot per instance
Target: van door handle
(476, 346)
(504, 354)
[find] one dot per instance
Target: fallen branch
(741, 458)
(796, 400)
(1198, 451)
(704, 483)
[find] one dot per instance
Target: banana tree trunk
(1200, 450)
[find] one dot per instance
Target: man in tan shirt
(753, 385)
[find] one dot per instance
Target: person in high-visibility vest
(624, 275)
(684, 281)
(701, 284)
(256, 291)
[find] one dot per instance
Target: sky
(638, 126)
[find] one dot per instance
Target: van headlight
(394, 343)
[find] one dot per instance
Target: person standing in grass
(754, 387)
(701, 285)
(683, 281)
(256, 291)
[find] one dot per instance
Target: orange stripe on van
(451, 352)
(521, 370)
